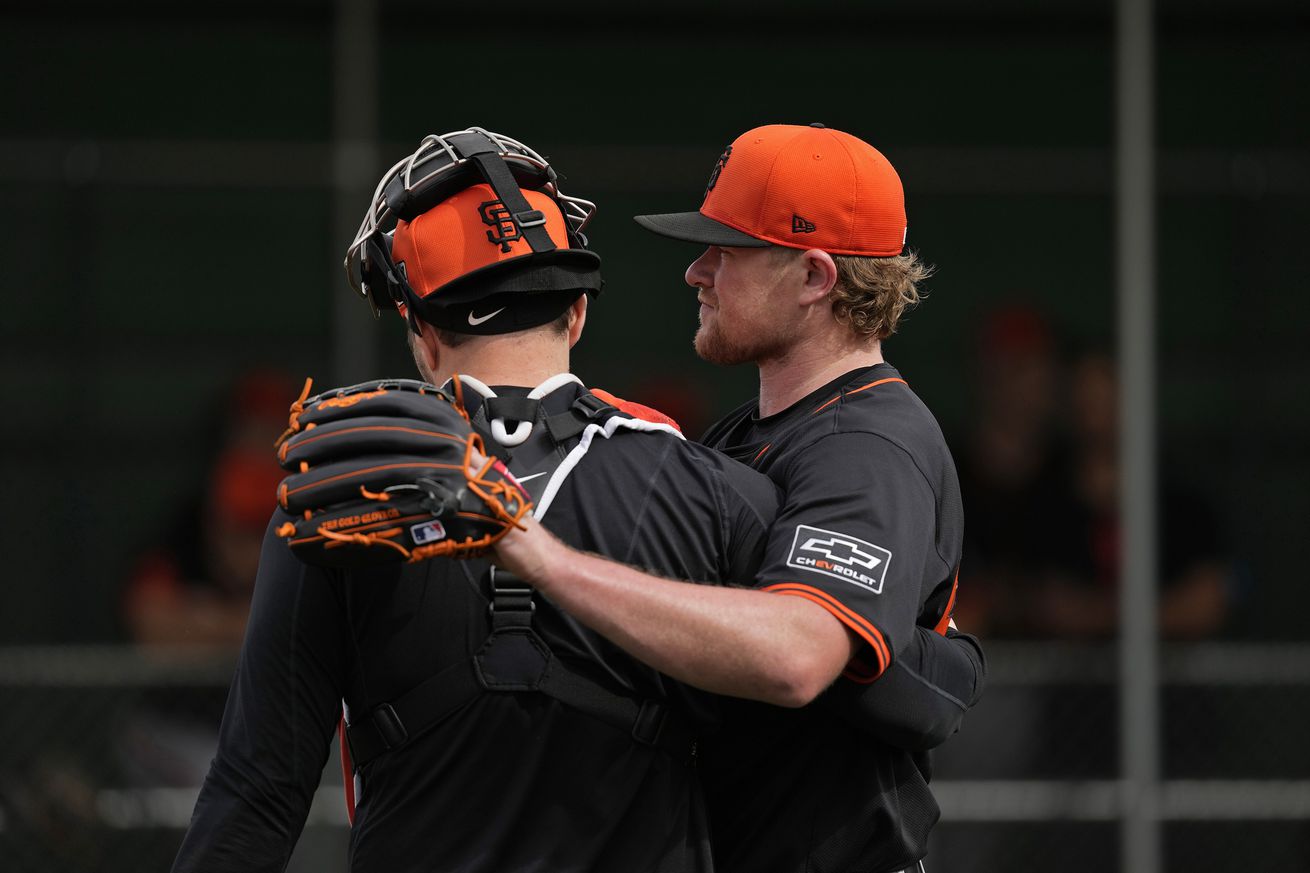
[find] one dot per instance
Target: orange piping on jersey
(945, 623)
(857, 391)
(761, 453)
(857, 623)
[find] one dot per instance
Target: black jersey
(870, 528)
(512, 781)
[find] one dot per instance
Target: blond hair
(871, 294)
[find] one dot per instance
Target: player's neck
(808, 366)
(511, 359)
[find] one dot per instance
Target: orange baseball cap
(805, 187)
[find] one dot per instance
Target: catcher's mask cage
(441, 167)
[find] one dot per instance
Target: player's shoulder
(871, 424)
(671, 462)
(879, 403)
(741, 482)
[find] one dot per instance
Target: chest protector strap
(514, 658)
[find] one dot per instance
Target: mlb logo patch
(427, 532)
(839, 555)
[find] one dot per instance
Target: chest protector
(542, 449)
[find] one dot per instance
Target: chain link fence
(105, 749)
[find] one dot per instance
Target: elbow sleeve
(920, 701)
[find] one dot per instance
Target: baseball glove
(390, 471)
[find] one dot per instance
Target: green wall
(137, 290)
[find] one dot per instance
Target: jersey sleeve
(855, 534)
(749, 507)
(281, 712)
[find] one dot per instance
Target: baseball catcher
(484, 728)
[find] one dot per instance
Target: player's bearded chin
(715, 346)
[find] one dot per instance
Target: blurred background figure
(1014, 467)
(1039, 472)
(189, 594)
(192, 589)
(1078, 583)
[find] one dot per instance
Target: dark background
(166, 171)
(171, 180)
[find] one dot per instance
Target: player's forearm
(734, 641)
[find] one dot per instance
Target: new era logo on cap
(800, 225)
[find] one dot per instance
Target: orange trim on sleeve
(857, 391)
(945, 623)
(857, 623)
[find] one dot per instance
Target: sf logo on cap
(718, 168)
(504, 229)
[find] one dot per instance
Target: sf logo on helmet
(504, 230)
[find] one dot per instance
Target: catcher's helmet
(478, 219)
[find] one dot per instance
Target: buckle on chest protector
(513, 658)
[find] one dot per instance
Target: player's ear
(426, 348)
(820, 276)
(577, 312)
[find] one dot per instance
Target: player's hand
(527, 550)
(530, 552)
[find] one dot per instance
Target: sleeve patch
(839, 555)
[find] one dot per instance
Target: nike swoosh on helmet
(490, 315)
